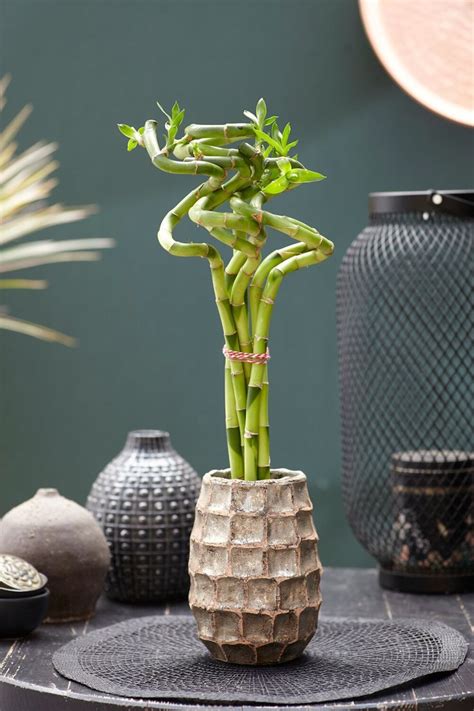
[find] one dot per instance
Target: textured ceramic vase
(144, 501)
(63, 541)
(254, 568)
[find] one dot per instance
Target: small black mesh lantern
(405, 325)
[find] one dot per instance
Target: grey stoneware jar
(254, 568)
(62, 540)
(144, 500)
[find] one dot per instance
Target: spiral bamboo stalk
(245, 290)
(239, 293)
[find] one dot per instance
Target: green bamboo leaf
(292, 144)
(270, 120)
(175, 110)
(284, 165)
(141, 130)
(276, 186)
(251, 116)
(301, 175)
(268, 139)
(163, 111)
(261, 111)
(286, 134)
(178, 119)
(131, 144)
(172, 134)
(128, 131)
(267, 152)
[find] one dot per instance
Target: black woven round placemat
(160, 657)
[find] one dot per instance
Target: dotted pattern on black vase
(144, 500)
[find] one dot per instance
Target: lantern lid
(451, 202)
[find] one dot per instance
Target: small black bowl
(21, 615)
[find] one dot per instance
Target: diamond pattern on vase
(254, 568)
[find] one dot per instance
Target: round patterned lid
(17, 575)
(434, 459)
(427, 49)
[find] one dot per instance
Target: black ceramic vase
(144, 501)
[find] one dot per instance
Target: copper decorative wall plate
(427, 47)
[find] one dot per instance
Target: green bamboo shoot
(243, 176)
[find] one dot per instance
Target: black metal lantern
(405, 326)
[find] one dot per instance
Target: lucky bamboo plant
(245, 165)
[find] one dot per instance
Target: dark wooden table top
(28, 681)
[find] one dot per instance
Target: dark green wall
(149, 352)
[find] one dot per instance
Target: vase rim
(47, 491)
(282, 478)
(148, 434)
(148, 442)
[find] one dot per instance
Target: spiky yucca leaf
(25, 186)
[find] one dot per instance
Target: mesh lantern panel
(405, 324)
